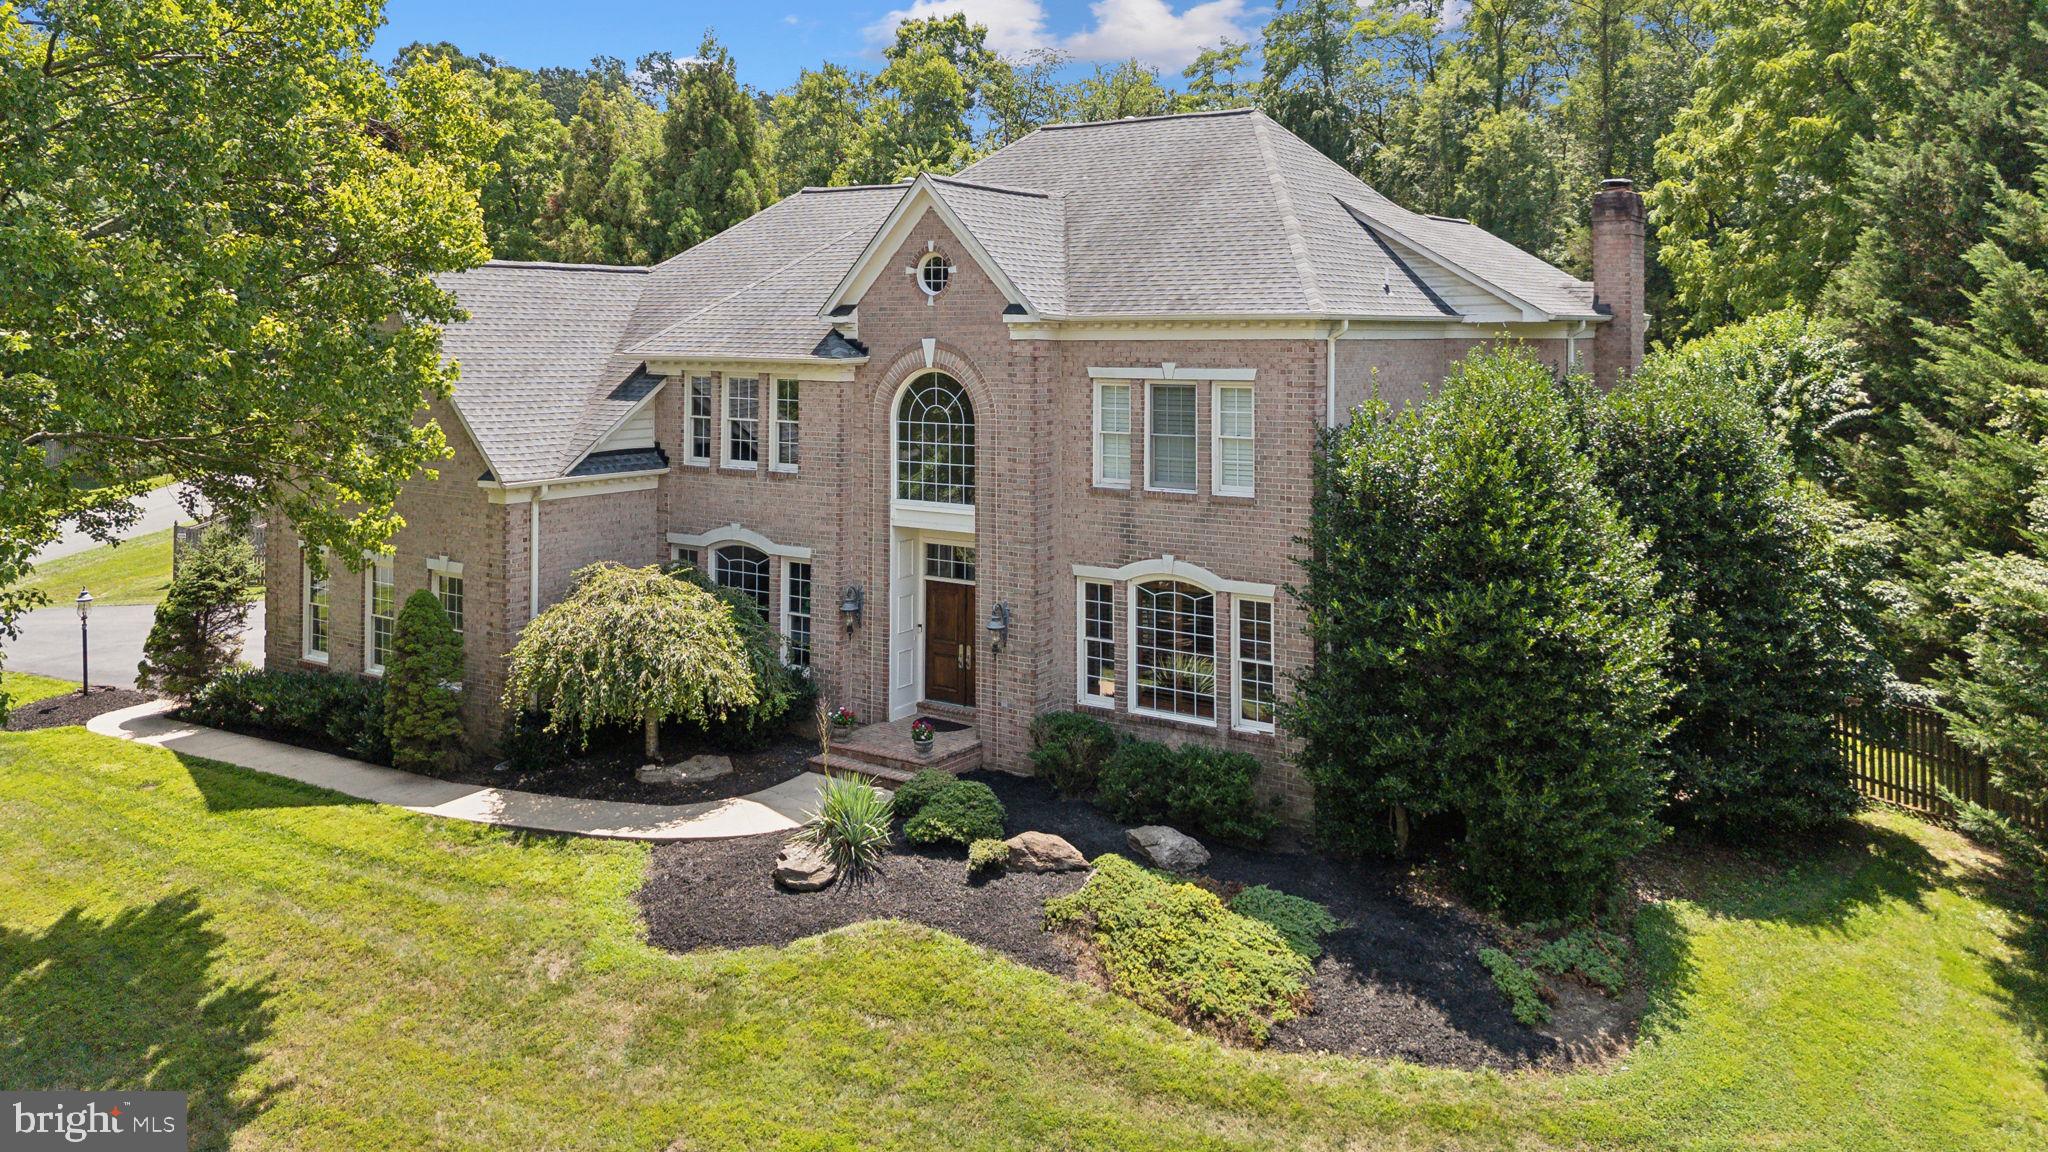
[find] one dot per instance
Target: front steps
(883, 752)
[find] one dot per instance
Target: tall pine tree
(714, 169)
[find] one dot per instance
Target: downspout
(533, 552)
(1571, 348)
(1330, 387)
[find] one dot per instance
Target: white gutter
(1571, 348)
(1330, 387)
(573, 481)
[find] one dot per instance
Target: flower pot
(924, 747)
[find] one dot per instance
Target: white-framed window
(447, 587)
(1112, 434)
(380, 615)
(796, 613)
(1173, 650)
(744, 568)
(677, 554)
(949, 561)
(786, 427)
(698, 441)
(1096, 634)
(935, 441)
(1231, 429)
(1256, 698)
(742, 422)
(933, 274)
(1170, 437)
(317, 630)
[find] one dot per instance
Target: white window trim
(1096, 437)
(1237, 721)
(369, 609)
(1150, 408)
(1081, 684)
(1131, 630)
(689, 431)
(307, 652)
(1216, 438)
(437, 579)
(788, 615)
(725, 459)
(776, 463)
(734, 534)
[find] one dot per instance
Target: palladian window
(1174, 650)
(935, 442)
(744, 570)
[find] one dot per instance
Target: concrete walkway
(777, 809)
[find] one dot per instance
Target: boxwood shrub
(1195, 788)
(913, 794)
(329, 712)
(1068, 750)
(960, 813)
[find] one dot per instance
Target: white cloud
(1147, 29)
(1013, 25)
(1153, 32)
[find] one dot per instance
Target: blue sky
(771, 39)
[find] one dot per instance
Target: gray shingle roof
(1211, 214)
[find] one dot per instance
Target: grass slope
(136, 571)
(26, 687)
(328, 974)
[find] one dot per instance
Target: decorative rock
(804, 868)
(1043, 852)
(1162, 847)
(705, 766)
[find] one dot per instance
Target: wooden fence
(183, 536)
(1902, 755)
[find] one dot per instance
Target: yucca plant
(850, 824)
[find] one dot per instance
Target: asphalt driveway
(48, 645)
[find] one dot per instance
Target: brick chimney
(1617, 281)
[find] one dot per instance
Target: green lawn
(133, 571)
(26, 688)
(333, 975)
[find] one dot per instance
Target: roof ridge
(1145, 119)
(1283, 201)
(562, 266)
(850, 187)
(749, 285)
(1003, 188)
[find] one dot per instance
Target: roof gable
(1033, 220)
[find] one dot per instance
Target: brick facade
(1037, 515)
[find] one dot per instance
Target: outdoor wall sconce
(999, 624)
(851, 602)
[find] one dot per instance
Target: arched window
(935, 441)
(744, 569)
(1174, 650)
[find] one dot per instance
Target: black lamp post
(84, 603)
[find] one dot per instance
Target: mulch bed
(1401, 979)
(610, 776)
(71, 708)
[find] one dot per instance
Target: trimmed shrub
(1767, 634)
(330, 712)
(913, 794)
(1524, 992)
(199, 624)
(960, 813)
(782, 691)
(1488, 639)
(1176, 950)
(1068, 749)
(851, 824)
(1195, 788)
(421, 686)
(632, 646)
(1300, 921)
(985, 857)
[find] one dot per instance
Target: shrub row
(1194, 788)
(333, 713)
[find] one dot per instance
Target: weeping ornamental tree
(631, 645)
(1489, 642)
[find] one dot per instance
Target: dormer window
(933, 273)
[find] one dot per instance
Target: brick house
(1034, 437)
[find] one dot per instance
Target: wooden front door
(949, 642)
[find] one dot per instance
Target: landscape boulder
(804, 868)
(706, 766)
(1044, 852)
(1162, 847)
